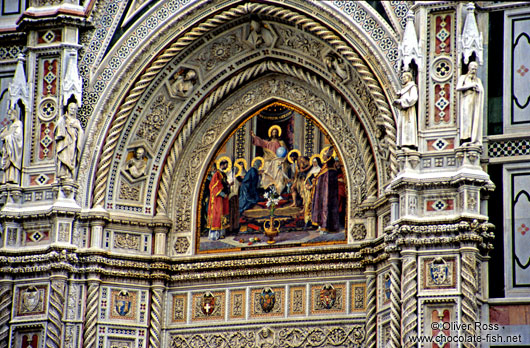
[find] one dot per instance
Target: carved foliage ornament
(358, 231)
(273, 337)
(154, 121)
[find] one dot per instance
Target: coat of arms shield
(439, 271)
(208, 304)
(123, 302)
(267, 300)
(328, 296)
(30, 299)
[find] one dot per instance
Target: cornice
(51, 18)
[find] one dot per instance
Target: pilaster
(440, 228)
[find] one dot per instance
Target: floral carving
(128, 192)
(182, 245)
(219, 51)
(150, 127)
(358, 231)
(126, 241)
(273, 337)
(300, 42)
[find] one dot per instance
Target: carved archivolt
(378, 103)
(202, 142)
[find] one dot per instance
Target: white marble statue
(12, 136)
(259, 34)
(184, 83)
(471, 106)
(68, 139)
(136, 165)
(407, 132)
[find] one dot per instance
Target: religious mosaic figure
(248, 191)
(301, 167)
(272, 145)
(275, 151)
(407, 132)
(218, 208)
(68, 138)
(325, 208)
(12, 137)
(136, 166)
(310, 179)
(275, 191)
(471, 105)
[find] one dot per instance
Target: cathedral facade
(268, 173)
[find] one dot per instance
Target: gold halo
(277, 128)
(293, 151)
(241, 161)
(262, 162)
(239, 169)
(218, 162)
(324, 150)
(313, 157)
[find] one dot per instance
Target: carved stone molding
(379, 104)
(274, 337)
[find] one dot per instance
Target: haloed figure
(325, 209)
(218, 207)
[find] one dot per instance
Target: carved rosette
(182, 244)
(358, 231)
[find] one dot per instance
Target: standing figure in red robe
(218, 206)
(325, 209)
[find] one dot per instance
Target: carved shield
(439, 271)
(267, 300)
(386, 285)
(30, 299)
(208, 303)
(123, 302)
(328, 296)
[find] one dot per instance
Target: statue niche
(278, 170)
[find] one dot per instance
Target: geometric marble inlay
(507, 148)
(443, 34)
(440, 205)
(440, 144)
(37, 236)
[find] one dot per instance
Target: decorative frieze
(274, 337)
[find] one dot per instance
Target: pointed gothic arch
(300, 48)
